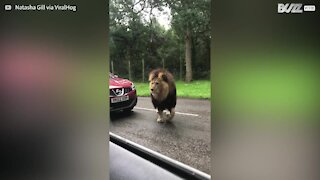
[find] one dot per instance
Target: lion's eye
(157, 83)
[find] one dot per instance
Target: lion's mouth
(153, 94)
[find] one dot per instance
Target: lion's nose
(151, 89)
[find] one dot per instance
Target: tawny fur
(163, 93)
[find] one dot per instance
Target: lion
(163, 93)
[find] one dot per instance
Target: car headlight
(133, 87)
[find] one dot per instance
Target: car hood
(119, 82)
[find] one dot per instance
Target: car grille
(113, 91)
(127, 90)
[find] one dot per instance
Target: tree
(132, 38)
(190, 18)
(136, 37)
(126, 30)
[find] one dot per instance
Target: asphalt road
(186, 138)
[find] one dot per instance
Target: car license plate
(119, 99)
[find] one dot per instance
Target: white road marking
(181, 113)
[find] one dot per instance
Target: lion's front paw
(169, 118)
(166, 113)
(165, 118)
(160, 120)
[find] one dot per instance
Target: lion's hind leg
(160, 116)
(172, 113)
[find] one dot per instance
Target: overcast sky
(164, 17)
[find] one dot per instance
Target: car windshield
(161, 100)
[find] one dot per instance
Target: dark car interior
(129, 160)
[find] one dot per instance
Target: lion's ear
(151, 76)
(164, 77)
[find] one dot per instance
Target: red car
(123, 94)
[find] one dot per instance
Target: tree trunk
(142, 70)
(112, 68)
(163, 63)
(188, 56)
(127, 57)
(129, 67)
(180, 61)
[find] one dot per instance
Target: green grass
(195, 89)
(270, 88)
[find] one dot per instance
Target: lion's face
(159, 88)
(155, 86)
